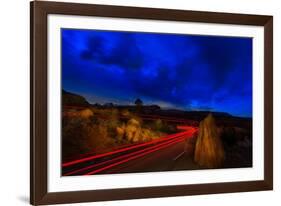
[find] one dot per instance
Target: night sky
(185, 72)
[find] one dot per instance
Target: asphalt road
(172, 158)
(163, 154)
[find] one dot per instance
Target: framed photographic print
(133, 102)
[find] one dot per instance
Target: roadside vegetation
(97, 130)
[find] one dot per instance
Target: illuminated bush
(86, 113)
(131, 130)
(120, 132)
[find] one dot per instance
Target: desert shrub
(111, 126)
(132, 130)
(98, 137)
(86, 113)
(120, 132)
(80, 135)
(163, 127)
(134, 122)
(148, 135)
(125, 113)
(114, 112)
(158, 124)
(73, 138)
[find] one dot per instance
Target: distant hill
(71, 99)
(192, 115)
(200, 113)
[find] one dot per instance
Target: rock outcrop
(71, 99)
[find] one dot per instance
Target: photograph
(136, 102)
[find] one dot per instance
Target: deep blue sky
(174, 71)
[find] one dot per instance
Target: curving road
(163, 154)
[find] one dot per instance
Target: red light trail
(175, 140)
(133, 157)
(123, 149)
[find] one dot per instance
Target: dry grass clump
(209, 151)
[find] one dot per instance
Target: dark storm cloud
(181, 71)
(125, 52)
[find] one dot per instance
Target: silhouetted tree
(138, 102)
